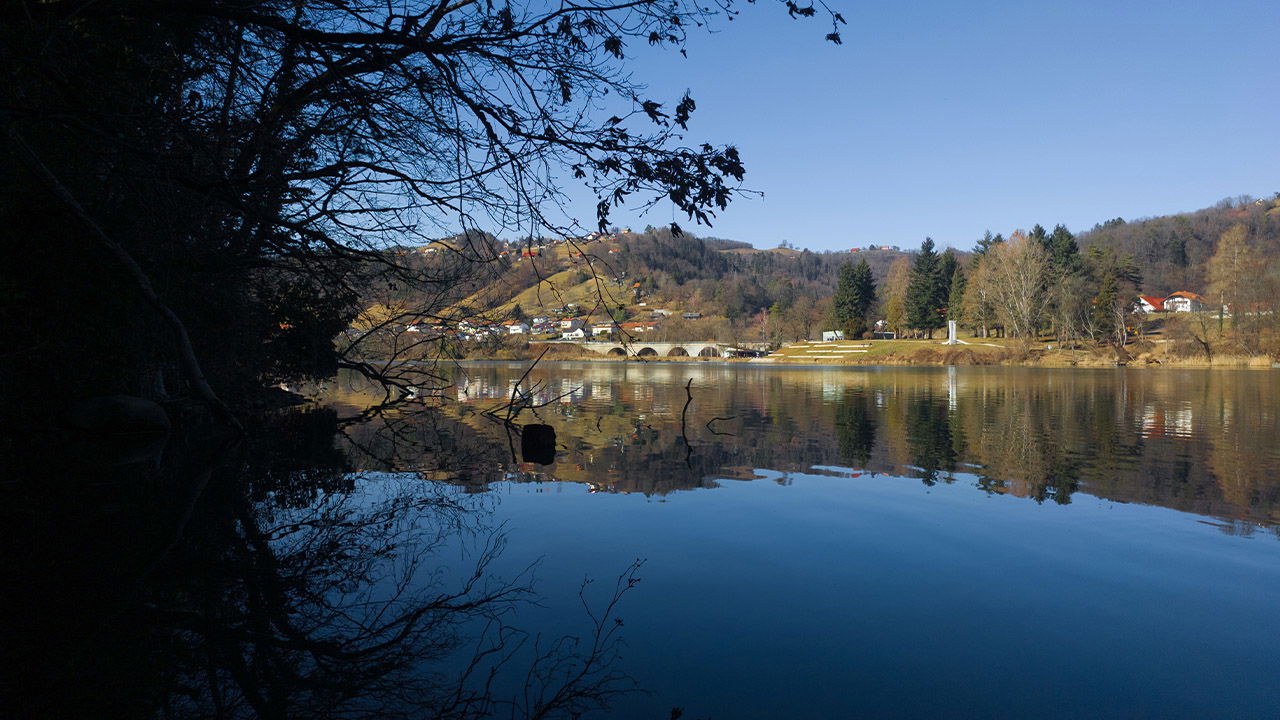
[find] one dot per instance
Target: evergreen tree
(955, 298)
(985, 243)
(1064, 253)
(1064, 282)
(855, 293)
(1040, 235)
(925, 298)
(843, 304)
(1104, 305)
(864, 285)
(947, 266)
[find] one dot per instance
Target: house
(516, 328)
(1183, 301)
(830, 335)
(539, 320)
(660, 311)
(570, 324)
(691, 315)
(1149, 304)
(602, 329)
(575, 334)
(639, 327)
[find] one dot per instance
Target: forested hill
(1172, 250)
(654, 269)
(784, 292)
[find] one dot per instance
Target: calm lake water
(814, 543)
(903, 542)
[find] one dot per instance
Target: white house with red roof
(1149, 304)
(1183, 301)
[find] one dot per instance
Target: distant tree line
(1042, 282)
(1054, 284)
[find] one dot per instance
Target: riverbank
(973, 352)
(1143, 353)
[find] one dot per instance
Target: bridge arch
(618, 352)
(709, 351)
(647, 352)
(677, 351)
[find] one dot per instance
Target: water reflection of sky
(836, 595)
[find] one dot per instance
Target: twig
(688, 449)
(717, 432)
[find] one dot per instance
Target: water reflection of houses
(1160, 421)
(1196, 442)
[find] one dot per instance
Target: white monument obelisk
(951, 333)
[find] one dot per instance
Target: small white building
(517, 328)
(1183, 301)
(831, 335)
(575, 334)
(569, 324)
(602, 329)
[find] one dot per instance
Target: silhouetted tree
(253, 173)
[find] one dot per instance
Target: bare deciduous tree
(1018, 268)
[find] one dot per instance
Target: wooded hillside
(1071, 287)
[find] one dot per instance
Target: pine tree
(1104, 305)
(842, 305)
(955, 298)
(947, 266)
(855, 293)
(1040, 235)
(984, 243)
(925, 298)
(864, 286)
(1064, 253)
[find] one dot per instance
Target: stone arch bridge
(692, 348)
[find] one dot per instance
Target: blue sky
(946, 119)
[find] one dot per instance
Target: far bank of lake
(907, 352)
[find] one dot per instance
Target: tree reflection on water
(312, 569)
(1199, 441)
(267, 579)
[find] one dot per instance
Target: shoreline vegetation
(923, 353)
